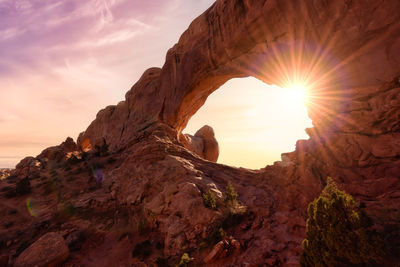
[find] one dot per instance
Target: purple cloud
(63, 60)
(38, 34)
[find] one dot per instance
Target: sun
(297, 94)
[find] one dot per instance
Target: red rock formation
(154, 185)
(203, 143)
(223, 249)
(49, 250)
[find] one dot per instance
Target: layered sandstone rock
(49, 250)
(27, 165)
(152, 180)
(203, 143)
(59, 152)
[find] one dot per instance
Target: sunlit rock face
(346, 51)
(203, 143)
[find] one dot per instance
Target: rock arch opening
(253, 122)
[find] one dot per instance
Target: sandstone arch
(355, 44)
(357, 41)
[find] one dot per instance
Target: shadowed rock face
(154, 183)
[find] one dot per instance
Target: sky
(61, 61)
(256, 124)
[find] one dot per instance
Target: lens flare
(297, 93)
(32, 207)
(98, 175)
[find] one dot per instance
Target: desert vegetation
(339, 232)
(209, 200)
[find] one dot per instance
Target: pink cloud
(63, 60)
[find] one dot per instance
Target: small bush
(23, 187)
(142, 250)
(209, 200)
(230, 193)
(338, 232)
(185, 259)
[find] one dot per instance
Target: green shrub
(230, 193)
(185, 259)
(209, 200)
(338, 232)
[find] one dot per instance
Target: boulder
(26, 166)
(223, 249)
(59, 152)
(203, 143)
(48, 250)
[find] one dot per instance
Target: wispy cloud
(63, 60)
(10, 33)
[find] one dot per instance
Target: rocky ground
(144, 205)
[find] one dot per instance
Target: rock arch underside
(152, 183)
